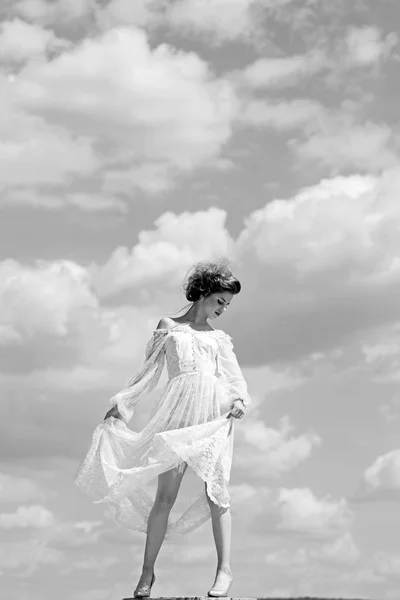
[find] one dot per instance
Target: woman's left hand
(237, 409)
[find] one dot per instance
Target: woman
(190, 425)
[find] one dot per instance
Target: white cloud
(52, 306)
(169, 114)
(264, 381)
(285, 557)
(338, 553)
(141, 13)
(391, 411)
(43, 300)
(72, 535)
(220, 20)
(326, 251)
(280, 71)
(277, 450)
(15, 489)
(341, 144)
(381, 480)
(84, 201)
(387, 565)
(29, 144)
(34, 516)
(376, 352)
(21, 42)
(282, 114)
(359, 48)
(302, 513)
(299, 232)
(323, 264)
(57, 11)
(91, 564)
(298, 513)
(167, 252)
(367, 45)
(29, 554)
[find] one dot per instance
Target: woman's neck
(194, 316)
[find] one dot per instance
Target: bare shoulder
(166, 323)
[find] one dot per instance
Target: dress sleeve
(230, 371)
(144, 381)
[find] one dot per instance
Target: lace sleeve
(230, 371)
(144, 381)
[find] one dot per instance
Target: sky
(137, 138)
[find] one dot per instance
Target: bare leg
(167, 491)
(221, 524)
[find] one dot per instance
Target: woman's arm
(143, 382)
(229, 369)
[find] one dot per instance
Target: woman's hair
(209, 278)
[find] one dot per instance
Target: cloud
(387, 565)
(381, 480)
(374, 353)
(72, 535)
(342, 551)
(55, 12)
(219, 20)
(382, 355)
(343, 144)
(34, 516)
(296, 513)
(164, 254)
(29, 144)
(391, 412)
(279, 71)
(282, 115)
(168, 116)
(367, 45)
(282, 557)
(15, 489)
(90, 564)
(21, 42)
(272, 452)
(302, 513)
(83, 201)
(328, 250)
(43, 300)
(216, 21)
(29, 554)
(141, 13)
(358, 52)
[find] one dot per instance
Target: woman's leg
(221, 525)
(167, 491)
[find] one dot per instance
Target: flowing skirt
(189, 424)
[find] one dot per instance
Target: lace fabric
(189, 423)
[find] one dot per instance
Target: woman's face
(216, 304)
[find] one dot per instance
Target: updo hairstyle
(209, 278)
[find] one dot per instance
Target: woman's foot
(222, 583)
(143, 588)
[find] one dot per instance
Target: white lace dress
(189, 423)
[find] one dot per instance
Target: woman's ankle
(225, 567)
(147, 569)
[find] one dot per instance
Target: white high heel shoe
(223, 582)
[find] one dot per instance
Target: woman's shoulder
(166, 323)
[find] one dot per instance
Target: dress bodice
(185, 351)
(191, 351)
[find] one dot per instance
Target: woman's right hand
(113, 412)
